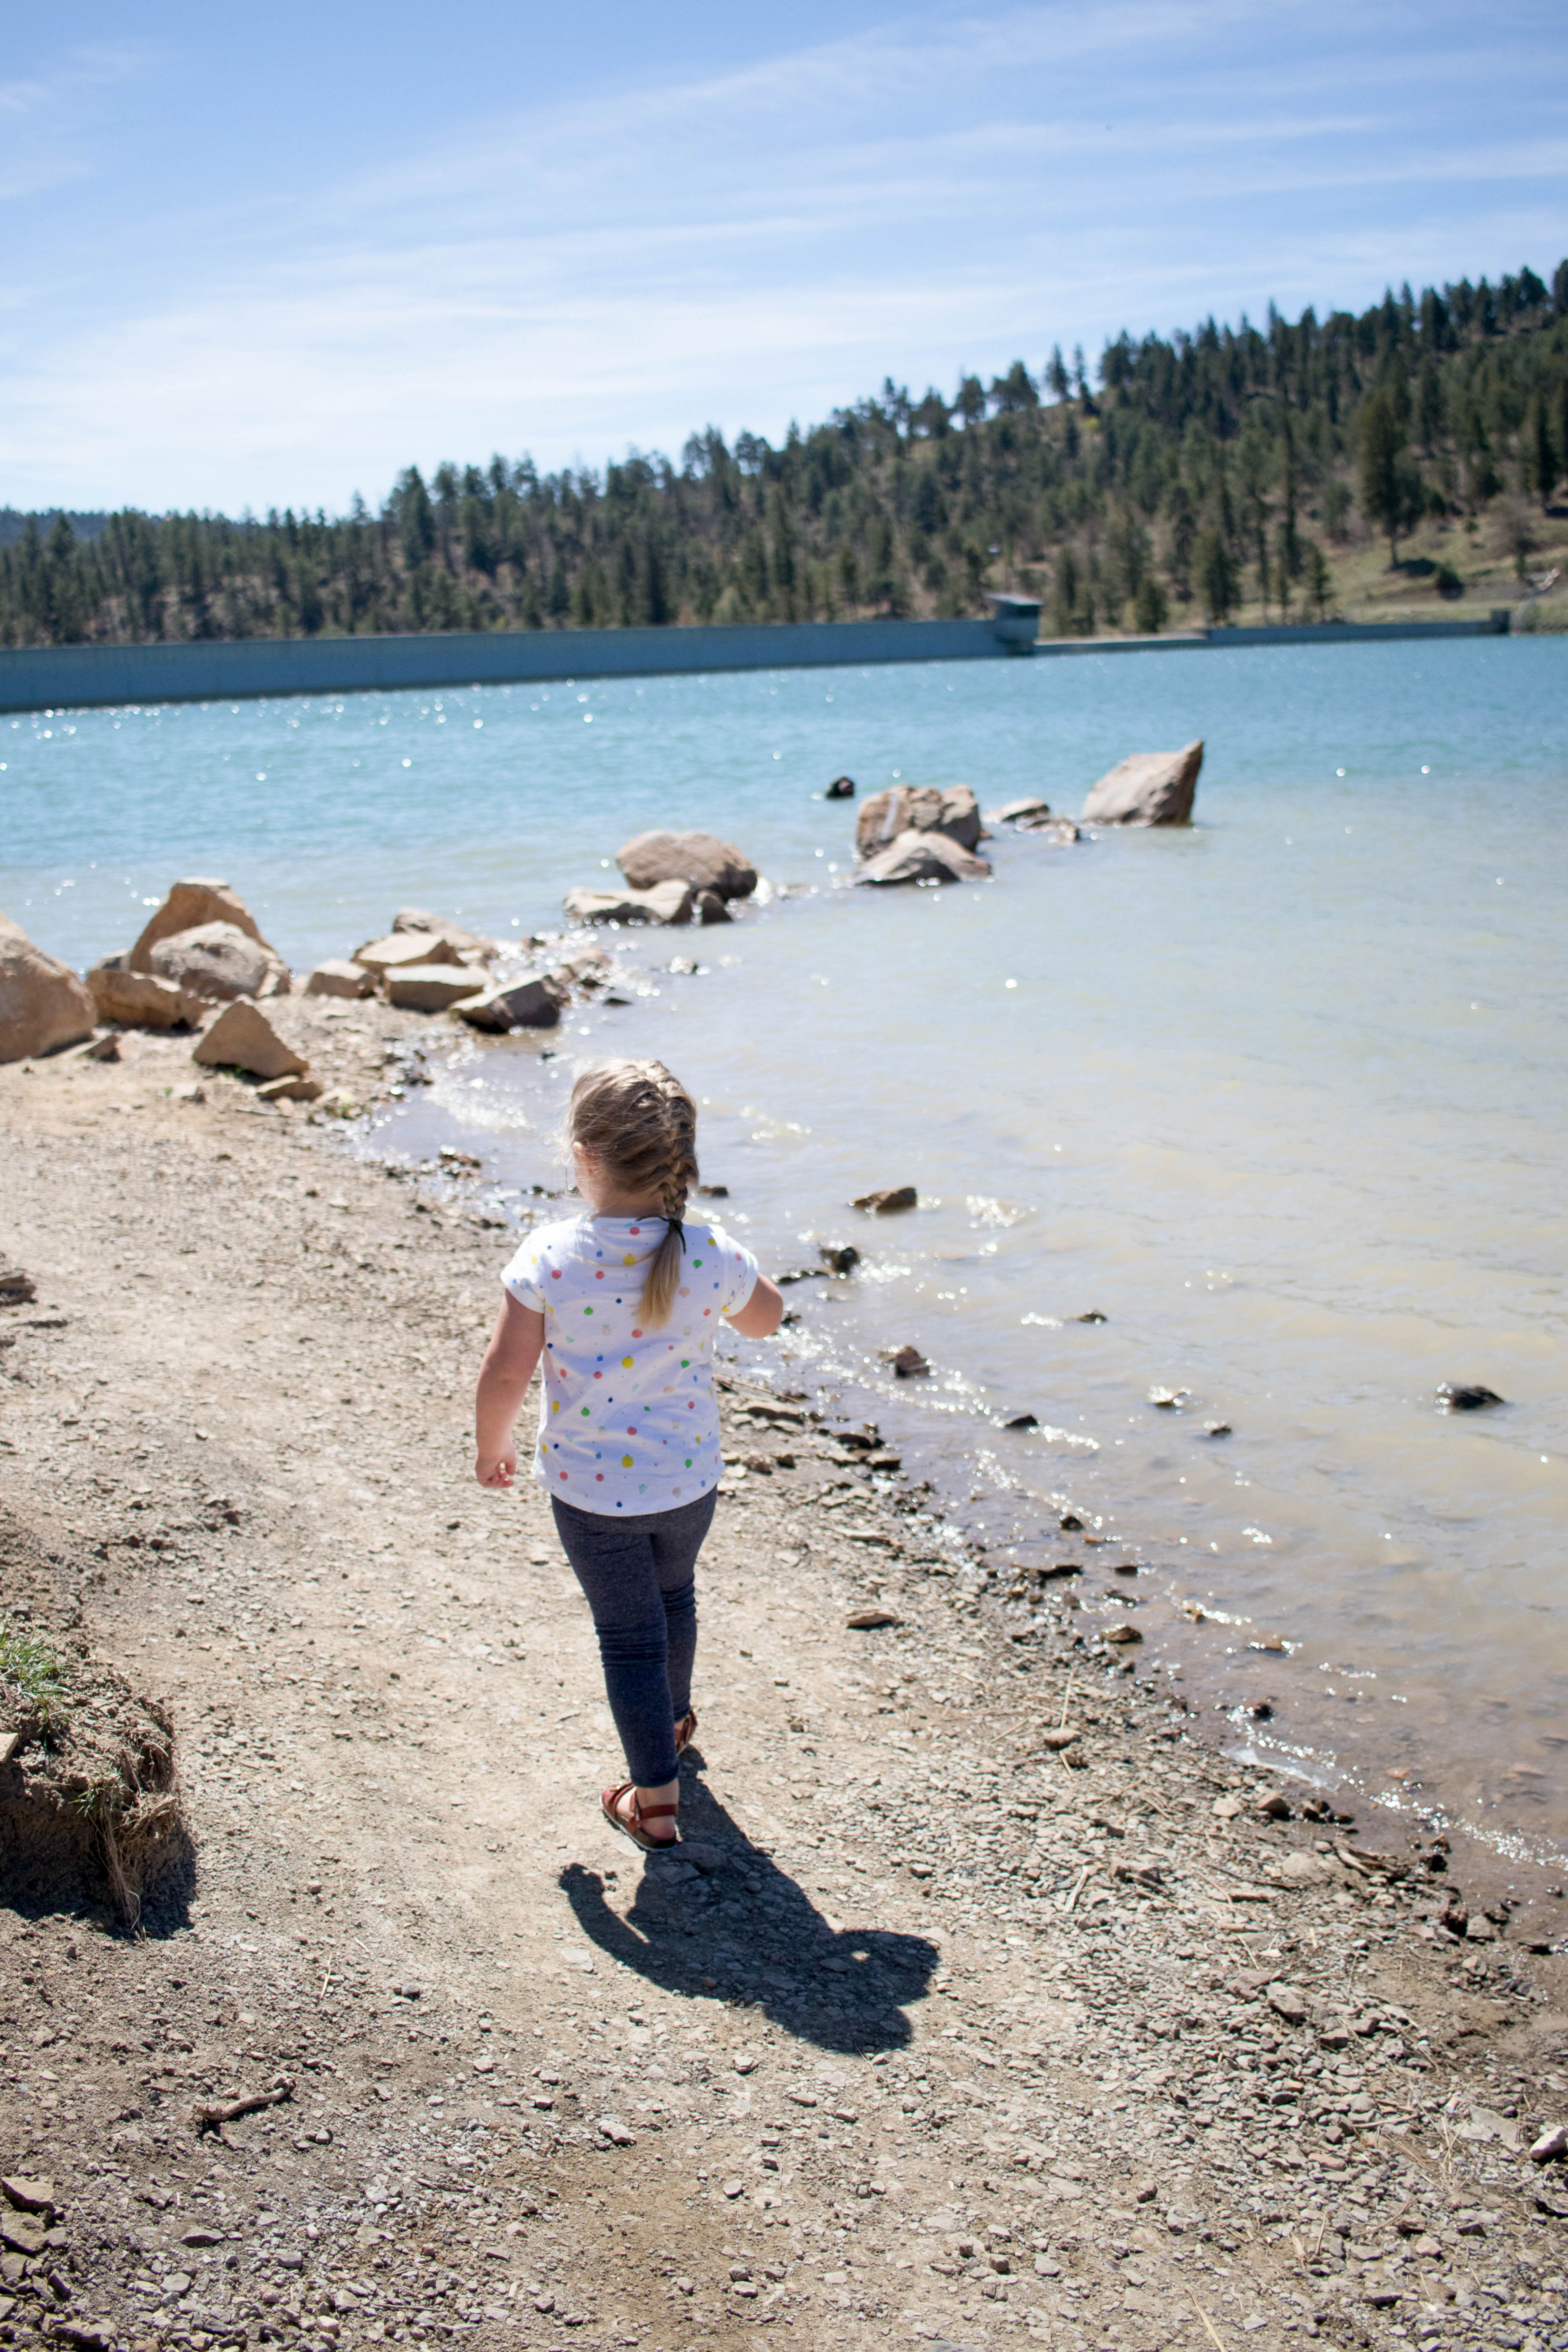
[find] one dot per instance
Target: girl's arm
(516, 1345)
(760, 1315)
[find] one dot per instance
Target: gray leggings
(639, 1576)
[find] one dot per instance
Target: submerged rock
(923, 857)
(842, 788)
(895, 1196)
(1468, 1396)
(519, 1004)
(699, 858)
(43, 1004)
(1149, 788)
(918, 808)
(666, 902)
(1030, 811)
(908, 1364)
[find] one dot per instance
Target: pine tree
(1218, 584)
(1389, 488)
(1151, 611)
(1540, 463)
(1317, 579)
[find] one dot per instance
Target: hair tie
(678, 1225)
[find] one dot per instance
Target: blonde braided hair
(640, 1124)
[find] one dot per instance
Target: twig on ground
(209, 2119)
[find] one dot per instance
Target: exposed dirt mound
(89, 1803)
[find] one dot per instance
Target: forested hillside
(1291, 471)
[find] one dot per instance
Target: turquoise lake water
(1280, 1097)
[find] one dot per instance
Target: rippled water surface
(1280, 1098)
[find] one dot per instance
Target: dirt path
(930, 2032)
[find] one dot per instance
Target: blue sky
(269, 257)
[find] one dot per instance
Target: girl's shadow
(720, 1915)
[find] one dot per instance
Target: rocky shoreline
(983, 2003)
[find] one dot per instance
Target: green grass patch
(30, 1671)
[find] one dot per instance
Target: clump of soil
(89, 1800)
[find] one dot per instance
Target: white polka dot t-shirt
(629, 1421)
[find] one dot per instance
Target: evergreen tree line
(1196, 473)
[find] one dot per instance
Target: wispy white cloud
(748, 245)
(45, 119)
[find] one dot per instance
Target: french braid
(640, 1124)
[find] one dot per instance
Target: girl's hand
(496, 1469)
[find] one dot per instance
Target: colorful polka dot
(578, 1255)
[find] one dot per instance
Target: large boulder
(188, 905)
(699, 858)
(922, 857)
(242, 1038)
(139, 999)
(519, 1004)
(1149, 788)
(918, 808)
(43, 1004)
(218, 962)
(431, 987)
(666, 902)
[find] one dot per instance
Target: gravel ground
(935, 2029)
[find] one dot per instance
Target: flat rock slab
(141, 1000)
(431, 987)
(335, 977)
(401, 950)
(666, 902)
(474, 943)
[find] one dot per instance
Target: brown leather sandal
(609, 1800)
(686, 1732)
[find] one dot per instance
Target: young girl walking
(623, 1303)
